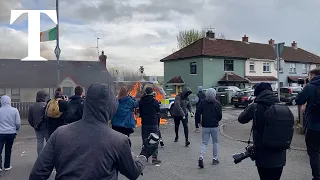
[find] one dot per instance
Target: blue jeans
(206, 134)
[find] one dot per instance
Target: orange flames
(137, 87)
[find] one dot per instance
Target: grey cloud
(5, 9)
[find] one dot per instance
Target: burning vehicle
(136, 91)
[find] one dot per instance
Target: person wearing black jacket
(201, 95)
(210, 110)
(37, 121)
(75, 106)
(149, 109)
(269, 163)
(54, 123)
(88, 149)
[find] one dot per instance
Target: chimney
(294, 45)
(210, 34)
(271, 42)
(245, 38)
(103, 59)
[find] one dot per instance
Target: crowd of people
(80, 145)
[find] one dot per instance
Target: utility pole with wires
(57, 50)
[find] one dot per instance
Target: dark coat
(201, 95)
(309, 95)
(89, 149)
(37, 110)
(149, 109)
(264, 158)
(75, 109)
(211, 112)
(182, 103)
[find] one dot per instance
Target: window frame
(251, 64)
(292, 68)
(15, 97)
(4, 90)
(193, 68)
(304, 68)
(230, 62)
(318, 66)
(267, 65)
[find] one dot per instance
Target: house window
(228, 65)
(67, 91)
(15, 94)
(251, 66)
(292, 68)
(2, 91)
(193, 68)
(281, 84)
(304, 68)
(318, 66)
(266, 67)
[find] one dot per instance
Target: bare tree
(187, 37)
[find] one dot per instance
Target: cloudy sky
(141, 32)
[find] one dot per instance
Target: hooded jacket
(9, 117)
(36, 110)
(89, 149)
(149, 109)
(124, 116)
(182, 103)
(75, 109)
(264, 158)
(309, 95)
(210, 110)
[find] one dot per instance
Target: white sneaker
(0, 170)
(7, 169)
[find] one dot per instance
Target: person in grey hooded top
(179, 112)
(89, 149)
(36, 119)
(9, 125)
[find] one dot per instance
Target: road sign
(57, 51)
(279, 48)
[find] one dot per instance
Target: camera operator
(88, 149)
(269, 163)
(311, 95)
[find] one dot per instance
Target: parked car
(220, 89)
(242, 98)
(289, 94)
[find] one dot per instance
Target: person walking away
(311, 95)
(9, 125)
(210, 111)
(75, 106)
(270, 149)
(149, 109)
(180, 113)
(89, 149)
(54, 111)
(36, 119)
(201, 95)
(123, 121)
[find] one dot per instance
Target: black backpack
(279, 127)
(75, 110)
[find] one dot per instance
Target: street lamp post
(57, 50)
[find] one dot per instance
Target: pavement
(178, 162)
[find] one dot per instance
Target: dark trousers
(313, 149)
(123, 130)
(145, 133)
(270, 173)
(7, 141)
(53, 124)
(185, 126)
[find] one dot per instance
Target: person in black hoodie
(201, 95)
(211, 111)
(149, 109)
(37, 121)
(269, 163)
(75, 106)
(88, 149)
